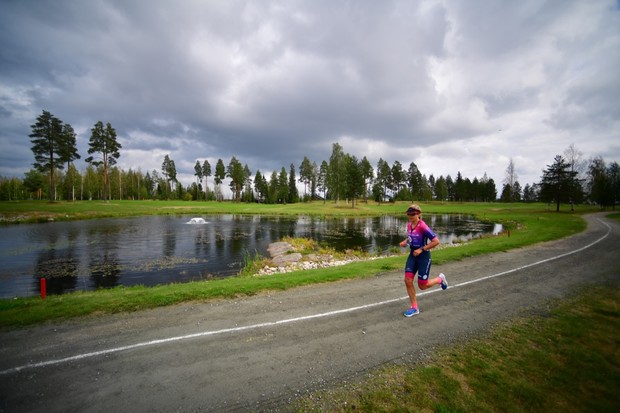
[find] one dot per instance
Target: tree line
(343, 177)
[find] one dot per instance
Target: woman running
(421, 239)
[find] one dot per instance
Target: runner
(419, 259)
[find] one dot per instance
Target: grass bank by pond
(44, 211)
(528, 224)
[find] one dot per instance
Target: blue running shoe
(444, 282)
(411, 312)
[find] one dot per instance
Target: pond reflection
(86, 255)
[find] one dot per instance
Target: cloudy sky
(453, 85)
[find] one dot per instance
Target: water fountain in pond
(196, 221)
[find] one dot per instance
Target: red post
(43, 288)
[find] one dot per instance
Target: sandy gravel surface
(259, 353)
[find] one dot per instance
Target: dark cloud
(450, 86)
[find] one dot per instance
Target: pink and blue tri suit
(419, 236)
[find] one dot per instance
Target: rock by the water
(278, 248)
(281, 255)
(286, 259)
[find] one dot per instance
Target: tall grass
(252, 263)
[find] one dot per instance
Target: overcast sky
(454, 86)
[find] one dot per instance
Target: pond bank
(285, 259)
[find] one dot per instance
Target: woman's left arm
(434, 242)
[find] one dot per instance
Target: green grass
(43, 211)
(615, 215)
(564, 361)
(528, 224)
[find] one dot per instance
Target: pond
(152, 250)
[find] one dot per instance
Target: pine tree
(237, 177)
(69, 154)
(367, 175)
(599, 183)
(334, 181)
(198, 175)
(103, 141)
(557, 182)
(283, 186)
(305, 173)
(47, 146)
(220, 174)
(293, 194)
(206, 172)
(169, 171)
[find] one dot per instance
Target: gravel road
(259, 353)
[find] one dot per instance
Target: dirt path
(258, 353)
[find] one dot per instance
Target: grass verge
(566, 360)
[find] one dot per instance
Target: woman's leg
(424, 271)
(426, 284)
(411, 289)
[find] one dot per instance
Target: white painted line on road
(285, 321)
(541, 261)
(189, 336)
